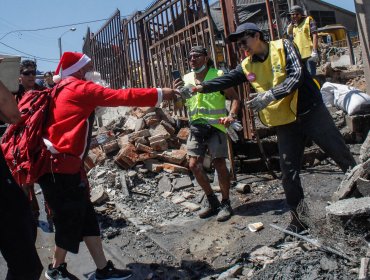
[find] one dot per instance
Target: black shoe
(59, 273)
(110, 272)
(211, 208)
(296, 225)
(225, 211)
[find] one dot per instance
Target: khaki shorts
(216, 145)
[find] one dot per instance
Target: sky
(42, 14)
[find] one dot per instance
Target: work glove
(232, 129)
(261, 101)
(314, 56)
(187, 91)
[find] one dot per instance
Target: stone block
(173, 168)
(182, 183)
(143, 148)
(153, 165)
(127, 156)
(156, 138)
(183, 134)
(130, 123)
(151, 119)
(111, 147)
(191, 206)
(98, 195)
(160, 130)
(170, 129)
(174, 156)
(164, 184)
(160, 145)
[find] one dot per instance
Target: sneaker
(59, 273)
(225, 211)
(211, 208)
(110, 272)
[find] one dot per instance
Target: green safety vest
(206, 106)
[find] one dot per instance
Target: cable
(51, 27)
(37, 57)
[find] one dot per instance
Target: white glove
(261, 101)
(232, 129)
(314, 56)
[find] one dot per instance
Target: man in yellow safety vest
(208, 118)
(288, 99)
(304, 32)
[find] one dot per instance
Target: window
(323, 18)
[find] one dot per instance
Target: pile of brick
(143, 135)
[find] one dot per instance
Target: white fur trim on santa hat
(75, 67)
(57, 78)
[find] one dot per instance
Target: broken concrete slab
(348, 184)
(99, 195)
(164, 184)
(182, 183)
(365, 149)
(349, 207)
(191, 206)
(177, 199)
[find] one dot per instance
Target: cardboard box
(9, 71)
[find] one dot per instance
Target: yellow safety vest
(302, 37)
(207, 106)
(265, 75)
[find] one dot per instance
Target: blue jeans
(319, 126)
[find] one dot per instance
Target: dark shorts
(74, 215)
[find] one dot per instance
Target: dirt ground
(167, 241)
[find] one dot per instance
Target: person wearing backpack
(17, 234)
(27, 81)
(67, 136)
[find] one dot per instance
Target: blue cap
(241, 29)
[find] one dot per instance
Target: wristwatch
(233, 115)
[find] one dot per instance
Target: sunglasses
(29, 72)
(243, 42)
(195, 56)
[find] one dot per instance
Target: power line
(37, 57)
(51, 27)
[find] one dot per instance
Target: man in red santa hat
(67, 136)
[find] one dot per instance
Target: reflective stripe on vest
(269, 74)
(207, 106)
(302, 37)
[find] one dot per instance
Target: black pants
(17, 232)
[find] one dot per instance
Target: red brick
(127, 156)
(169, 167)
(160, 145)
(183, 134)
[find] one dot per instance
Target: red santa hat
(69, 63)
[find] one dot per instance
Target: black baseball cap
(241, 29)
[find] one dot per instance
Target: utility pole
(363, 23)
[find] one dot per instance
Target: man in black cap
(208, 121)
(288, 99)
(304, 32)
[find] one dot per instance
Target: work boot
(225, 211)
(296, 224)
(212, 207)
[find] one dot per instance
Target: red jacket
(68, 124)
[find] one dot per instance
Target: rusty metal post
(271, 27)
(279, 25)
